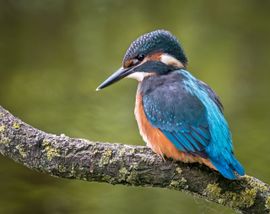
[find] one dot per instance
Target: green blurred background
(54, 53)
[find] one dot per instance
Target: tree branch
(71, 158)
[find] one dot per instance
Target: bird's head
(154, 53)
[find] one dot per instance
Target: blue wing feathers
(220, 150)
(200, 133)
(198, 138)
(212, 95)
(190, 115)
(196, 144)
(188, 144)
(175, 141)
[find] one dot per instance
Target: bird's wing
(180, 116)
(212, 95)
(189, 114)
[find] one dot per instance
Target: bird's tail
(230, 167)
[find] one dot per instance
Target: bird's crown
(156, 41)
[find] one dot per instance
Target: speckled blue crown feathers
(155, 41)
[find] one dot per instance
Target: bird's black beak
(116, 76)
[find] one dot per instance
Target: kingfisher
(178, 116)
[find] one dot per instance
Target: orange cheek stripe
(154, 57)
(158, 142)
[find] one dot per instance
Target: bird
(179, 116)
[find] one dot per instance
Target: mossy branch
(71, 158)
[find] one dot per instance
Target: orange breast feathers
(158, 142)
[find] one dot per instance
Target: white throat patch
(139, 76)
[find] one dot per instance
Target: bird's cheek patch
(170, 60)
(154, 57)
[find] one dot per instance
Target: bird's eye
(140, 57)
(135, 61)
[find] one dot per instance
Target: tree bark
(72, 158)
